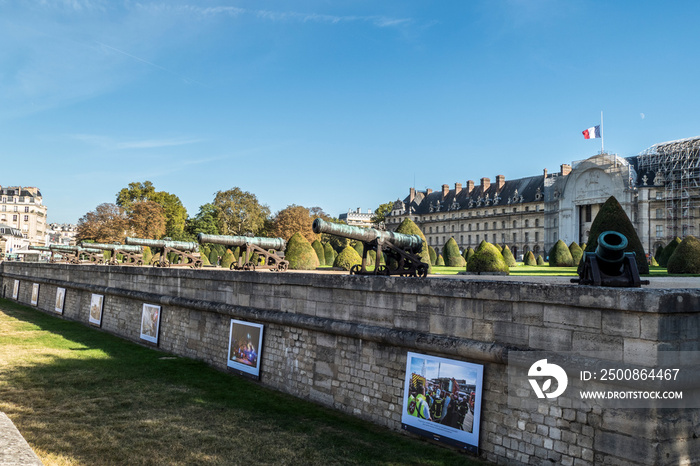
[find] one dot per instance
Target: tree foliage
(487, 258)
(227, 259)
(106, 224)
(560, 256)
(347, 258)
(508, 257)
(451, 255)
(239, 212)
(320, 253)
(147, 220)
(408, 227)
(175, 213)
(433, 255)
(668, 251)
(686, 258)
(204, 222)
(380, 214)
(576, 252)
(300, 254)
(294, 219)
(329, 254)
(530, 259)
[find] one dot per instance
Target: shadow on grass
(82, 396)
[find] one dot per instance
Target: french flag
(592, 133)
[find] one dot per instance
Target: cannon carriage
(267, 249)
(610, 265)
(74, 254)
(133, 255)
(185, 253)
(398, 247)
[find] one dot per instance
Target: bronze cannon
(610, 265)
(133, 255)
(73, 254)
(181, 253)
(266, 249)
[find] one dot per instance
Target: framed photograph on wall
(245, 347)
(35, 294)
(15, 290)
(96, 303)
(60, 300)
(150, 322)
(442, 400)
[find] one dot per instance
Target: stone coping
(14, 450)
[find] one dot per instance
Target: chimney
(485, 184)
(565, 169)
(470, 186)
(445, 190)
(411, 195)
(545, 173)
(458, 188)
(428, 192)
(500, 181)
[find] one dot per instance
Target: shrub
(540, 260)
(560, 256)
(433, 255)
(686, 257)
(214, 257)
(227, 259)
(300, 254)
(205, 259)
(487, 258)
(147, 255)
(468, 253)
(576, 252)
(659, 251)
(347, 258)
(451, 255)
(236, 252)
(530, 259)
(440, 261)
(329, 254)
(508, 257)
(408, 227)
(668, 251)
(320, 253)
(653, 262)
(612, 217)
(499, 247)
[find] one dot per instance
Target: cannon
(265, 248)
(183, 253)
(610, 265)
(403, 249)
(41, 249)
(133, 255)
(73, 254)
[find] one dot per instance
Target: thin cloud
(111, 144)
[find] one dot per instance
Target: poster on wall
(442, 400)
(150, 322)
(60, 299)
(35, 294)
(96, 303)
(244, 347)
(15, 290)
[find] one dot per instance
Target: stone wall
(342, 341)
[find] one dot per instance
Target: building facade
(22, 209)
(357, 218)
(659, 190)
(62, 233)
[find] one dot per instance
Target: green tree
(300, 254)
(204, 222)
(487, 258)
(227, 259)
(540, 260)
(318, 247)
(239, 212)
(440, 262)
(147, 255)
(530, 259)
(380, 214)
(560, 256)
(468, 253)
(408, 227)
(294, 219)
(347, 258)
(612, 217)
(686, 258)
(433, 255)
(451, 255)
(329, 254)
(576, 252)
(175, 212)
(508, 257)
(106, 224)
(668, 251)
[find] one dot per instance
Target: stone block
(553, 339)
(572, 318)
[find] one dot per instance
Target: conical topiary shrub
(612, 217)
(205, 259)
(686, 258)
(499, 247)
(320, 253)
(659, 251)
(487, 258)
(530, 259)
(468, 253)
(433, 255)
(668, 251)
(540, 260)
(508, 257)
(560, 256)
(147, 255)
(300, 254)
(214, 257)
(329, 254)
(227, 259)
(408, 227)
(451, 255)
(653, 262)
(576, 252)
(347, 258)
(440, 262)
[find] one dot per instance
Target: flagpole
(602, 134)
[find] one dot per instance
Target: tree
(204, 222)
(175, 213)
(300, 254)
(294, 219)
(147, 220)
(686, 257)
(329, 254)
(576, 252)
(560, 256)
(508, 257)
(451, 255)
(106, 224)
(487, 258)
(239, 212)
(318, 247)
(468, 253)
(440, 261)
(668, 251)
(530, 259)
(612, 217)
(227, 259)
(347, 258)
(408, 227)
(380, 214)
(433, 255)
(540, 260)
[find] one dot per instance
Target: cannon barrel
(160, 243)
(113, 247)
(278, 244)
(412, 243)
(611, 251)
(66, 248)
(38, 248)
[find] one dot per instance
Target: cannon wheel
(355, 269)
(249, 266)
(422, 271)
(282, 267)
(382, 270)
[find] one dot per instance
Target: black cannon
(133, 255)
(75, 254)
(610, 265)
(184, 253)
(401, 248)
(265, 248)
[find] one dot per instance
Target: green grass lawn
(547, 271)
(83, 397)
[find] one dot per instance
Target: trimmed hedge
(668, 251)
(433, 255)
(468, 254)
(540, 260)
(147, 255)
(347, 258)
(320, 253)
(560, 256)
(300, 254)
(408, 227)
(530, 259)
(487, 258)
(451, 255)
(329, 254)
(508, 257)
(227, 259)
(686, 257)
(576, 252)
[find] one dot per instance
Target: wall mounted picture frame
(60, 300)
(96, 305)
(245, 347)
(15, 290)
(442, 400)
(150, 322)
(35, 294)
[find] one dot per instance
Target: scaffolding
(676, 166)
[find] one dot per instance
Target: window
(659, 231)
(469, 239)
(527, 208)
(503, 238)
(26, 218)
(659, 213)
(494, 225)
(515, 237)
(515, 224)
(527, 237)
(477, 239)
(537, 222)
(14, 218)
(443, 228)
(477, 227)
(537, 236)
(26, 209)
(486, 225)
(470, 227)
(588, 213)
(461, 227)
(503, 224)
(4, 208)
(453, 228)
(527, 223)
(659, 195)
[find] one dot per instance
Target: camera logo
(543, 369)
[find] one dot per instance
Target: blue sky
(337, 104)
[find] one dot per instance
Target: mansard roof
(513, 192)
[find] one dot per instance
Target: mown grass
(547, 271)
(83, 397)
